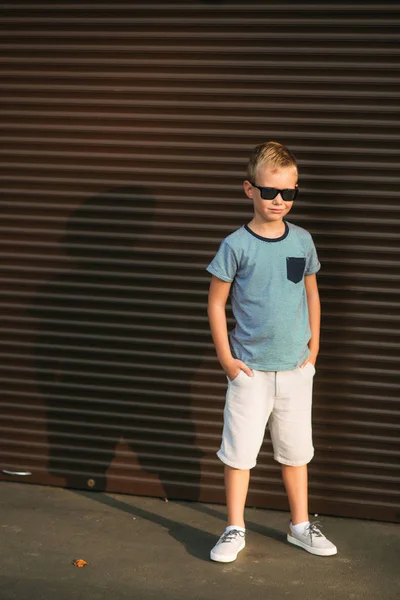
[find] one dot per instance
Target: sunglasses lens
(268, 193)
(289, 195)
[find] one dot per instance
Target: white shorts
(282, 399)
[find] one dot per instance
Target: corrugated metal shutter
(126, 131)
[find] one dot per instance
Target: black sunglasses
(269, 193)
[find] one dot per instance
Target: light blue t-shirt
(268, 295)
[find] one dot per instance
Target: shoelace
(230, 536)
(312, 529)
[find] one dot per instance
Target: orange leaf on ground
(80, 563)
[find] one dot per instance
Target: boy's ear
(248, 188)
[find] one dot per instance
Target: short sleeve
(224, 264)
(312, 263)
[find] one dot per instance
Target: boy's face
(282, 179)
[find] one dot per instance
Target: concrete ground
(142, 548)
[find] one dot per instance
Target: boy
(269, 267)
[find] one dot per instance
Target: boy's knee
(234, 464)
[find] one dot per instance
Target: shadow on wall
(108, 353)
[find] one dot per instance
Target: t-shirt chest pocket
(295, 267)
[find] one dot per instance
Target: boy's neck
(274, 229)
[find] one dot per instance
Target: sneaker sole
(310, 549)
(226, 559)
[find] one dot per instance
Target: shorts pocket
(235, 378)
(295, 267)
(308, 370)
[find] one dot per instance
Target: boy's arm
(314, 311)
(217, 299)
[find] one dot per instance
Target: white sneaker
(312, 540)
(228, 546)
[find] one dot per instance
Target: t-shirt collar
(264, 239)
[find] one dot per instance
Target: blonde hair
(272, 155)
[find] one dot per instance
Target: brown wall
(125, 137)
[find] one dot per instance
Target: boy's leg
(290, 426)
(296, 484)
(246, 413)
(249, 402)
(236, 487)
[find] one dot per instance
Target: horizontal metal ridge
(236, 201)
(112, 274)
(206, 34)
(318, 464)
(193, 238)
(354, 343)
(120, 313)
(386, 219)
(172, 354)
(132, 428)
(113, 287)
(262, 20)
(204, 331)
(196, 76)
(349, 287)
(187, 159)
(87, 409)
(205, 254)
(137, 368)
(130, 467)
(145, 480)
(200, 294)
(195, 102)
(127, 261)
(22, 400)
(176, 264)
(190, 415)
(208, 117)
(180, 445)
(358, 450)
(212, 61)
(204, 131)
(223, 189)
(350, 423)
(36, 85)
(157, 342)
(143, 48)
(182, 483)
(179, 431)
(272, 478)
(345, 409)
(172, 458)
(120, 363)
(171, 317)
(182, 448)
(152, 5)
(371, 400)
(126, 326)
(196, 145)
(340, 486)
(354, 475)
(376, 277)
(133, 403)
(372, 438)
(88, 437)
(155, 368)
